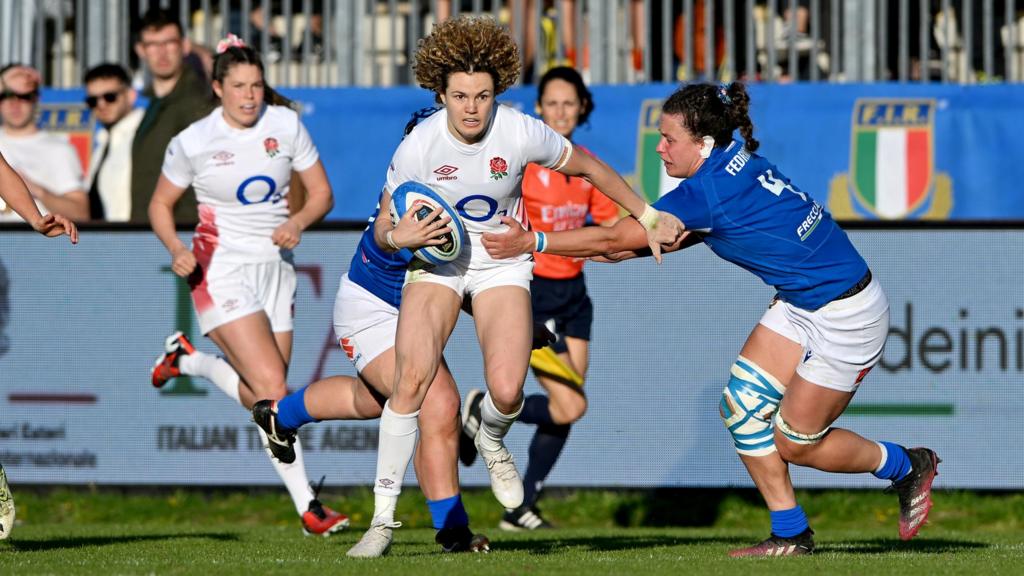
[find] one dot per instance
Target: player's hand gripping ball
(423, 200)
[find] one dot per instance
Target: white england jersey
(483, 181)
(241, 178)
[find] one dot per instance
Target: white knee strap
(797, 437)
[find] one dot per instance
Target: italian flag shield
(892, 167)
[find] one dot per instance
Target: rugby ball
(423, 200)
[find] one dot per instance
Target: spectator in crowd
(109, 94)
(47, 162)
(178, 96)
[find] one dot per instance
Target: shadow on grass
(675, 507)
(44, 544)
(558, 545)
(886, 546)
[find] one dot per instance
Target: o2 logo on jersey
(490, 203)
(250, 189)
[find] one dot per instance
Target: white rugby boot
(376, 542)
(6, 506)
(505, 481)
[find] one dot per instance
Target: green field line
(899, 410)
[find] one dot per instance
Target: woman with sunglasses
(47, 162)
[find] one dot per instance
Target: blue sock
(448, 513)
(895, 464)
(789, 523)
(291, 410)
(536, 411)
(545, 449)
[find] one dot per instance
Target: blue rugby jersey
(380, 272)
(750, 214)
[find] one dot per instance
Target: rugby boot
(6, 506)
(505, 481)
(166, 367)
(799, 545)
(523, 518)
(470, 424)
(376, 542)
(280, 441)
(915, 491)
(461, 539)
(542, 336)
(320, 520)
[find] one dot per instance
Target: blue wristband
(541, 241)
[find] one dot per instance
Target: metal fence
(371, 42)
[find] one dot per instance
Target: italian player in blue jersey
(821, 335)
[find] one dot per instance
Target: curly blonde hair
(467, 44)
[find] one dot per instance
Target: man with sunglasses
(109, 95)
(46, 161)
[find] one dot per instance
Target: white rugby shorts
(364, 324)
(842, 340)
(475, 271)
(226, 291)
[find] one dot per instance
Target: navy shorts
(565, 302)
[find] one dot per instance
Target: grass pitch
(190, 532)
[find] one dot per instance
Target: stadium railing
(370, 42)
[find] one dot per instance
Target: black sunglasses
(108, 97)
(27, 97)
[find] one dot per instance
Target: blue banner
(875, 151)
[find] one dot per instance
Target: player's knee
(748, 402)
(440, 414)
(507, 399)
(269, 384)
(569, 410)
(413, 377)
(795, 446)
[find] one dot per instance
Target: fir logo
(892, 164)
(499, 168)
(271, 146)
(651, 179)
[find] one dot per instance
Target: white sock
(213, 368)
(293, 475)
(394, 453)
(493, 424)
(885, 456)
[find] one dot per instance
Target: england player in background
(365, 322)
(821, 335)
(239, 159)
(559, 299)
(14, 194)
(473, 152)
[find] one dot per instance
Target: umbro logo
(446, 172)
(223, 158)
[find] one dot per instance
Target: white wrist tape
(649, 219)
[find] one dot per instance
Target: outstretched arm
(660, 227)
(626, 239)
(15, 193)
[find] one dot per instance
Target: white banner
(80, 327)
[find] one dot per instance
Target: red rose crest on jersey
(271, 146)
(499, 168)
